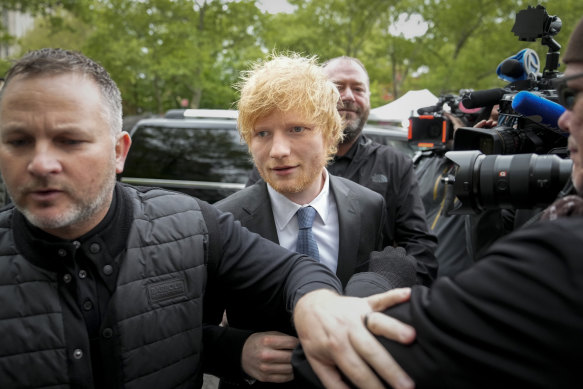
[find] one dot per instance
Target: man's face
(290, 154)
(352, 83)
(572, 121)
(58, 156)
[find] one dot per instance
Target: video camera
(528, 111)
(432, 129)
(527, 126)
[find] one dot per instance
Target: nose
(280, 147)
(44, 162)
(347, 94)
(563, 121)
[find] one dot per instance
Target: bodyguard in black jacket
(106, 285)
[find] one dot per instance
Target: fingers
(382, 362)
(480, 124)
(266, 356)
(388, 327)
(382, 301)
(327, 374)
(353, 363)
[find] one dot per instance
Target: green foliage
(163, 51)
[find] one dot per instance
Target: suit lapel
(349, 231)
(259, 217)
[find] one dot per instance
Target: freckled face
(290, 154)
(58, 155)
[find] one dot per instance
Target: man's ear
(122, 147)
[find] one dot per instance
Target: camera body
(432, 129)
(521, 163)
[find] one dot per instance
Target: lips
(44, 194)
(282, 170)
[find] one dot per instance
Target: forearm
(222, 351)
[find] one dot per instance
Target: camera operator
(513, 319)
(453, 252)
(483, 229)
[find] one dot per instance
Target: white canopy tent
(398, 112)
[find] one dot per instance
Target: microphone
(519, 66)
(512, 68)
(388, 269)
(483, 98)
(430, 109)
(537, 108)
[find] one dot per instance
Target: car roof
(392, 131)
(202, 114)
(185, 123)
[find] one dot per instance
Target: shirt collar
(35, 244)
(284, 209)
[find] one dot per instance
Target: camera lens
(521, 181)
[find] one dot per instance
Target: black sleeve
(513, 319)
(411, 230)
(254, 275)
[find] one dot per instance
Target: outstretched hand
(332, 333)
(267, 356)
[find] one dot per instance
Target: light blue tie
(306, 242)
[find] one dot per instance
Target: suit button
(94, 248)
(107, 270)
(78, 353)
(87, 305)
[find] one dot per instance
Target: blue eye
(298, 129)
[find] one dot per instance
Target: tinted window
(192, 154)
(398, 142)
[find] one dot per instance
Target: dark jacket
(452, 251)
(390, 173)
(179, 254)
(512, 320)
(361, 217)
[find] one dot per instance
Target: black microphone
(483, 98)
(430, 109)
(512, 68)
(388, 269)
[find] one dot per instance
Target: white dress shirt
(325, 228)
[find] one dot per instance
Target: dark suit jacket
(513, 320)
(361, 215)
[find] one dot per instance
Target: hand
(267, 356)
(455, 121)
(486, 124)
(332, 333)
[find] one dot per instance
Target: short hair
(50, 61)
(287, 82)
(348, 59)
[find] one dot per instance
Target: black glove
(395, 266)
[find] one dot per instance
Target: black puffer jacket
(156, 311)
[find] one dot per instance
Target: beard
(82, 208)
(302, 181)
(353, 127)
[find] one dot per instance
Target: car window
(397, 140)
(189, 154)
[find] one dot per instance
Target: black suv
(200, 153)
